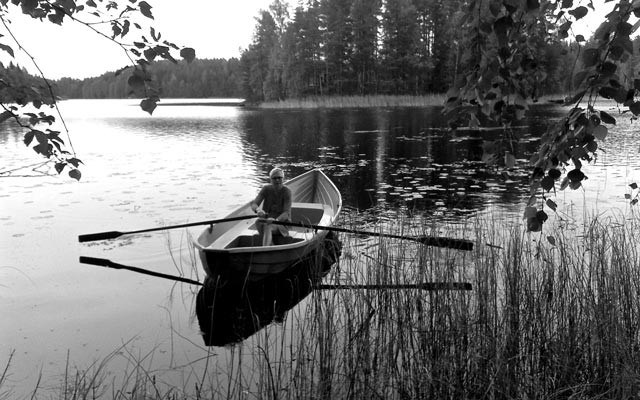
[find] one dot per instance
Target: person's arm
(255, 203)
(286, 213)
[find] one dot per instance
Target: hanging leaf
(28, 137)
(633, 186)
(551, 204)
(533, 225)
(74, 161)
(188, 54)
(607, 118)
(579, 12)
(75, 174)
(145, 9)
(547, 183)
(590, 57)
(7, 49)
(600, 132)
(5, 115)
(607, 68)
(149, 104)
(530, 212)
(576, 175)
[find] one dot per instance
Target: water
(190, 163)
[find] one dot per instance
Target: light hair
(276, 171)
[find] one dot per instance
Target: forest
(341, 47)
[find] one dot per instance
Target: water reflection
(397, 156)
(233, 310)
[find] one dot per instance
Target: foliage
(352, 47)
(504, 72)
(114, 20)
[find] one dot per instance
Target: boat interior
(303, 213)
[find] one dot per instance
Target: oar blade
(458, 244)
(91, 237)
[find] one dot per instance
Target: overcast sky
(214, 28)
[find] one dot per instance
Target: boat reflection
(229, 311)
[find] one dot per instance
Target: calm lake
(191, 163)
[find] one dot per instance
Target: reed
(543, 321)
(550, 319)
(356, 101)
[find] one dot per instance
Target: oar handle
(101, 262)
(90, 237)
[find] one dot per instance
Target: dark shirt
(275, 201)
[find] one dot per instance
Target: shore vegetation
(551, 315)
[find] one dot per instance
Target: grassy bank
(356, 102)
(543, 321)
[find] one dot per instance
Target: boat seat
(303, 213)
(306, 213)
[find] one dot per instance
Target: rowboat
(235, 247)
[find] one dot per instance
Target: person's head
(276, 176)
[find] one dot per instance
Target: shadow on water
(230, 311)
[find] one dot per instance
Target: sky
(214, 28)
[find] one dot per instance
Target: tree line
(345, 47)
(199, 79)
(340, 47)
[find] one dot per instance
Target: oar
(423, 286)
(114, 234)
(459, 244)
(102, 262)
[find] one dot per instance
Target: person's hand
(261, 214)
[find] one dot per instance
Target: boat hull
(256, 265)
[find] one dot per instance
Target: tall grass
(356, 101)
(546, 319)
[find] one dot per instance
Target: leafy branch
(499, 88)
(140, 52)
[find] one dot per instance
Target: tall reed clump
(542, 321)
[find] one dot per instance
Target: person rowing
(275, 198)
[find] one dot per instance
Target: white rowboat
(235, 247)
